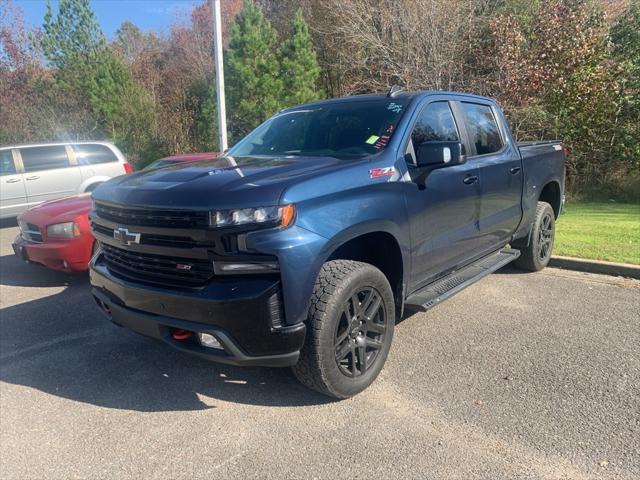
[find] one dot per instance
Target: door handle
(469, 179)
(514, 170)
(34, 177)
(13, 180)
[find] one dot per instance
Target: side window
(44, 158)
(89, 154)
(435, 124)
(482, 127)
(7, 167)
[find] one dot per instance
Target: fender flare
(364, 228)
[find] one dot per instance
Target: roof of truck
(399, 95)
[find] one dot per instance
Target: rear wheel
(350, 328)
(536, 256)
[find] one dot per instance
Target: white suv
(31, 174)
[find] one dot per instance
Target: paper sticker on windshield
(381, 172)
(372, 139)
(394, 107)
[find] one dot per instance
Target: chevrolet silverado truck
(305, 243)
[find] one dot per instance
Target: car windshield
(347, 129)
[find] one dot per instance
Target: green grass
(601, 231)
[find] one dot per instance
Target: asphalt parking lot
(521, 375)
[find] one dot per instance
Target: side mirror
(439, 154)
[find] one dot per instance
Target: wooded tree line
(566, 69)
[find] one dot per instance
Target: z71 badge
(381, 172)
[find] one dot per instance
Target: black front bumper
(243, 314)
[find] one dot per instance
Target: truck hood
(224, 182)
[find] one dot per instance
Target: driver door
(444, 214)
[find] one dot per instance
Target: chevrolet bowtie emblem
(125, 236)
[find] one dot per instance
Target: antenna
(394, 91)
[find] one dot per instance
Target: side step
(432, 294)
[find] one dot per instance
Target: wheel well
(551, 194)
(379, 249)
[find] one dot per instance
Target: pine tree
(252, 72)
(73, 42)
(299, 66)
(89, 71)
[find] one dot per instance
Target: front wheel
(537, 254)
(350, 328)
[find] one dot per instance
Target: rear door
(96, 160)
(13, 195)
(500, 172)
(443, 215)
(49, 173)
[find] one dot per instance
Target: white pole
(217, 48)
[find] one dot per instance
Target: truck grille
(150, 238)
(157, 269)
(151, 217)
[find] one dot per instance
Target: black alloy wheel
(360, 332)
(536, 255)
(545, 236)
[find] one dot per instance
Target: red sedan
(56, 234)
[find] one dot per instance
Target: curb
(596, 266)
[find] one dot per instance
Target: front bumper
(242, 313)
(69, 256)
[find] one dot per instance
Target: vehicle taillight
(127, 167)
(565, 151)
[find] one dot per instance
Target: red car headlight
(63, 230)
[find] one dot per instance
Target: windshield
(341, 129)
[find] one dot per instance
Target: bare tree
(421, 44)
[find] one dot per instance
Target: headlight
(282, 216)
(63, 230)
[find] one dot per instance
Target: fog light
(209, 341)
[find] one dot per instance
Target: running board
(432, 294)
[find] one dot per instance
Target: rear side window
(7, 167)
(44, 158)
(90, 154)
(482, 127)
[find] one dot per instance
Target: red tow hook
(181, 334)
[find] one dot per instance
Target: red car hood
(55, 211)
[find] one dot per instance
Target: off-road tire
(338, 283)
(532, 258)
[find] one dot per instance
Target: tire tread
(527, 259)
(309, 369)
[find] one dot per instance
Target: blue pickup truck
(305, 243)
